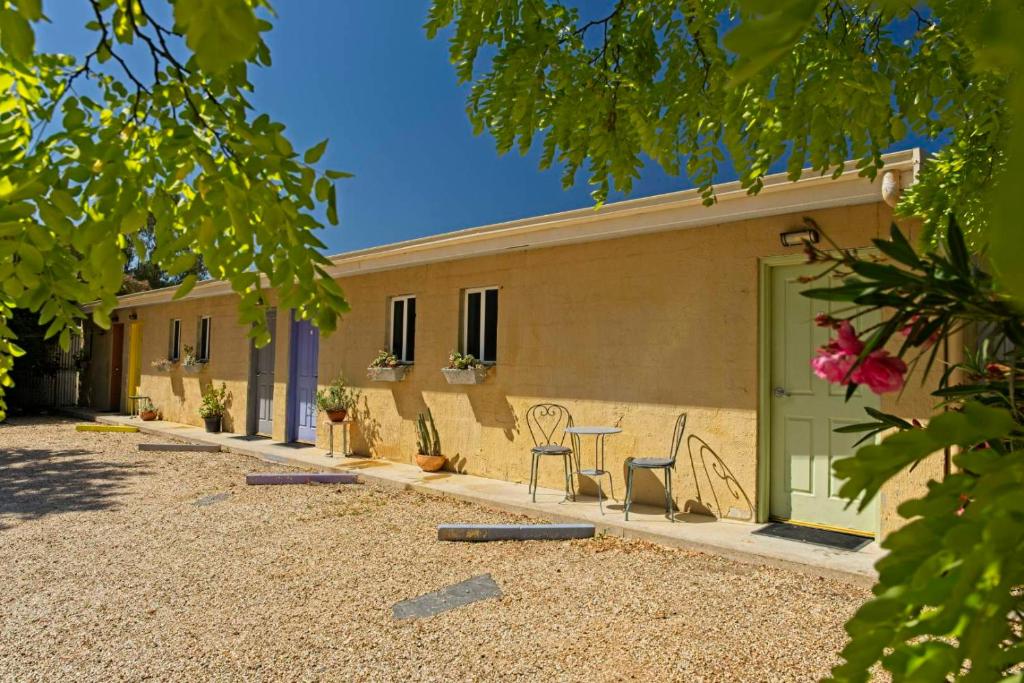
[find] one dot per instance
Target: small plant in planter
(336, 400)
(148, 412)
(465, 368)
(162, 364)
(190, 363)
(428, 444)
(215, 402)
(386, 368)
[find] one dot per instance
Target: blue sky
(363, 74)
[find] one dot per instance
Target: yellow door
(134, 353)
(805, 411)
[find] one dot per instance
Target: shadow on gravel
(36, 482)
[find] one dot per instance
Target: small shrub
(427, 440)
(385, 359)
(337, 396)
(463, 361)
(215, 401)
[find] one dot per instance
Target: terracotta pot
(148, 415)
(430, 463)
(337, 415)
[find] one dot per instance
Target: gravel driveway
(110, 571)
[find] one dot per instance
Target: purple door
(305, 352)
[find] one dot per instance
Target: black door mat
(822, 537)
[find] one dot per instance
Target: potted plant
(386, 368)
(162, 364)
(428, 444)
(189, 362)
(336, 400)
(212, 408)
(148, 411)
(464, 368)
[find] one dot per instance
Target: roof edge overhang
(658, 213)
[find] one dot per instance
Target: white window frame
(482, 291)
(405, 329)
(200, 355)
(174, 353)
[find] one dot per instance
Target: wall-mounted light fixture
(797, 238)
(135, 316)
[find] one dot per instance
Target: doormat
(465, 592)
(806, 534)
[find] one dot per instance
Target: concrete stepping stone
(265, 478)
(201, 447)
(472, 590)
(211, 499)
(513, 532)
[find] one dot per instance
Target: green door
(805, 410)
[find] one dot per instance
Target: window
(203, 343)
(403, 328)
(480, 324)
(174, 341)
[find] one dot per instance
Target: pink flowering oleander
(833, 367)
(880, 371)
(848, 341)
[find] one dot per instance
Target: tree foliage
(90, 147)
(698, 85)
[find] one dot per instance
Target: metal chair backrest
(546, 421)
(677, 438)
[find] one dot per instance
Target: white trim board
(673, 211)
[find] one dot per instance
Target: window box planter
(193, 368)
(395, 374)
(475, 375)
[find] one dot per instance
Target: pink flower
(881, 372)
(833, 366)
(848, 340)
(835, 359)
(825, 320)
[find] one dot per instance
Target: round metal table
(599, 434)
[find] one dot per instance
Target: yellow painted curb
(106, 428)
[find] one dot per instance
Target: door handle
(779, 392)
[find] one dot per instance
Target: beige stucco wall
(627, 332)
(177, 394)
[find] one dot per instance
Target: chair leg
(670, 507)
(533, 477)
(629, 489)
(565, 476)
(570, 470)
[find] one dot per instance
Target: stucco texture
(627, 332)
(177, 394)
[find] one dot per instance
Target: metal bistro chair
(546, 421)
(666, 464)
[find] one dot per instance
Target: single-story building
(628, 315)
